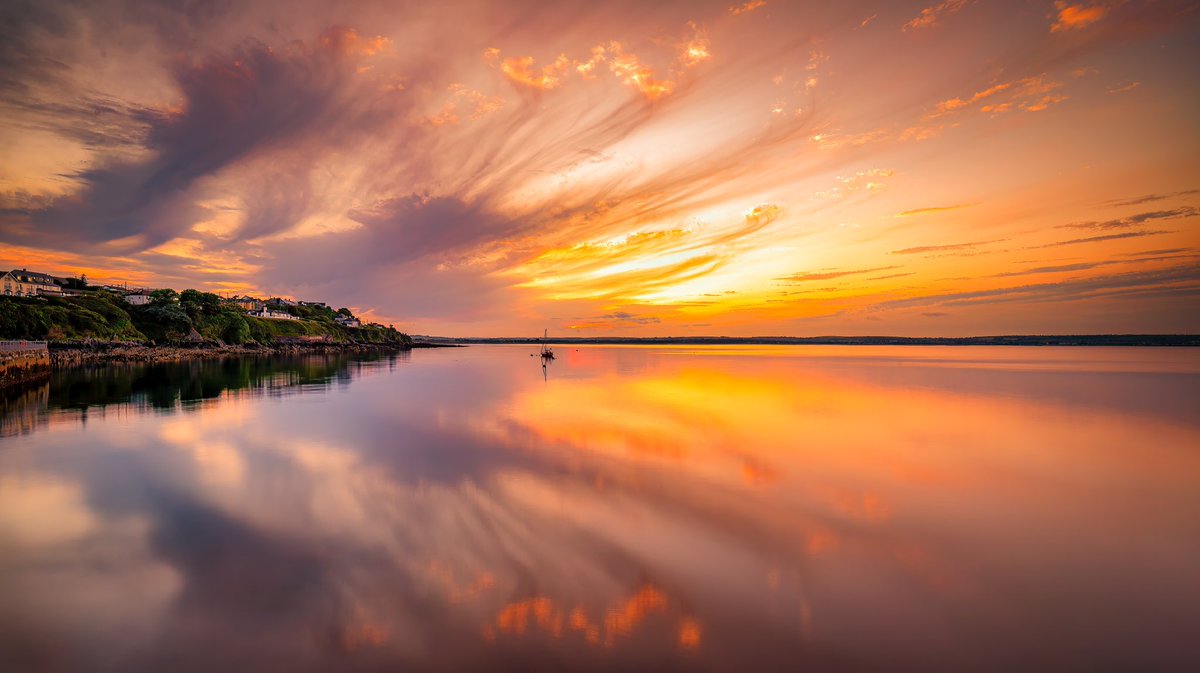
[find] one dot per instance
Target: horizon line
(1101, 335)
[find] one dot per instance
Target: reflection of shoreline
(64, 355)
(22, 407)
(93, 388)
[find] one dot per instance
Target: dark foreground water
(743, 508)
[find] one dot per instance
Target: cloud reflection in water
(678, 508)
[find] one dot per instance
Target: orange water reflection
(616, 622)
(726, 509)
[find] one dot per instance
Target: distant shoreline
(1137, 340)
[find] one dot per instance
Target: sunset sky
(620, 168)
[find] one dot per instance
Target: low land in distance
(1011, 340)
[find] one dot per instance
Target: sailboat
(546, 353)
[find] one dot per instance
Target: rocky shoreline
(20, 364)
(64, 355)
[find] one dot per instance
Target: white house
(346, 321)
(24, 283)
(265, 312)
(138, 299)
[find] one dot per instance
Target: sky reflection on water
(840, 508)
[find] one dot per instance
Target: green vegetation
(170, 317)
(98, 315)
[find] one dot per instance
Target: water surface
(677, 508)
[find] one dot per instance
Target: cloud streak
(1075, 16)
(1176, 280)
(1138, 219)
(949, 247)
(1148, 198)
(931, 210)
(934, 14)
(829, 275)
(1106, 237)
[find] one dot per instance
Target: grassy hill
(171, 318)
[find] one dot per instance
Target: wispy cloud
(1106, 237)
(612, 320)
(523, 70)
(932, 209)
(1061, 268)
(1169, 281)
(1086, 266)
(1073, 16)
(1151, 197)
(828, 275)
(1029, 94)
(1135, 220)
(1161, 251)
(747, 7)
(950, 247)
(614, 56)
(932, 16)
(625, 316)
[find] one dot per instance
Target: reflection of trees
(164, 385)
(21, 407)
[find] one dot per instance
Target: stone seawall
(25, 362)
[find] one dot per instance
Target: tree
(79, 283)
(237, 331)
(163, 297)
(163, 321)
(209, 302)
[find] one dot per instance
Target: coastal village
(26, 283)
(49, 322)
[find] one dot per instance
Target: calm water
(737, 508)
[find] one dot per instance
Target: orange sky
(601, 169)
